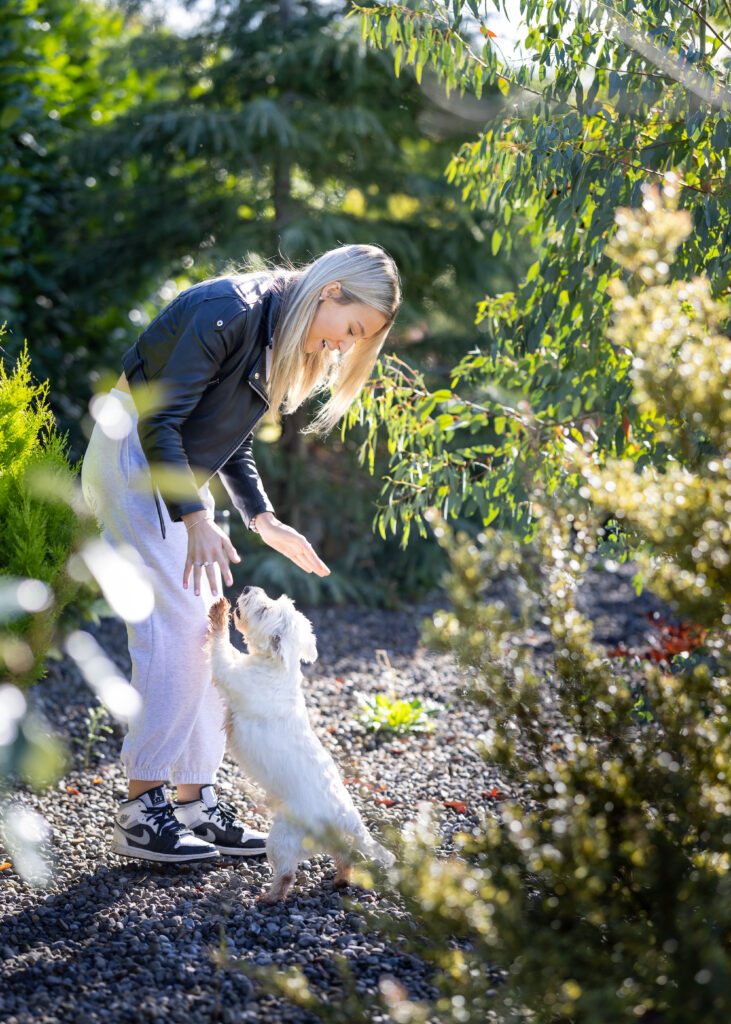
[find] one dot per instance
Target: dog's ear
(296, 641)
(308, 644)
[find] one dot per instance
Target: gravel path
(116, 940)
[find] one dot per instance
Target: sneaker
(147, 828)
(215, 820)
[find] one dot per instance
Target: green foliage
(323, 493)
(96, 730)
(62, 76)
(275, 130)
(392, 714)
(610, 900)
(604, 892)
(37, 532)
(271, 126)
(614, 94)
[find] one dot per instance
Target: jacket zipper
(238, 444)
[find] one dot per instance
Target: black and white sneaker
(215, 820)
(147, 828)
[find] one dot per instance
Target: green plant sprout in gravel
(95, 728)
(381, 713)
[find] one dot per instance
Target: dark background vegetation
(137, 159)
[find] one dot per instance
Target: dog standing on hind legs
(270, 735)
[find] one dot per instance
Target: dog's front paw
(218, 615)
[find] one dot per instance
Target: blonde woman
(220, 354)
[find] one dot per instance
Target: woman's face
(339, 327)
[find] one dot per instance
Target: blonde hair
(366, 274)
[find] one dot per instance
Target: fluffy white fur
(269, 733)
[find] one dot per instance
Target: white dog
(270, 734)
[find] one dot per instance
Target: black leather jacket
(207, 352)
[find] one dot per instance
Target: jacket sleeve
(199, 351)
(241, 479)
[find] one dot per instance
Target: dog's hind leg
(284, 852)
(281, 884)
(371, 848)
(343, 871)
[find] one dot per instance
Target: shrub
(37, 529)
(605, 893)
(609, 897)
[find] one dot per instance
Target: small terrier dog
(269, 733)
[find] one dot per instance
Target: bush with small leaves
(38, 528)
(602, 893)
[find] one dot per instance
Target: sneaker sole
(123, 850)
(236, 851)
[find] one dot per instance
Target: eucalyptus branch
(452, 33)
(691, 8)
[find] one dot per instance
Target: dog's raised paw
(218, 615)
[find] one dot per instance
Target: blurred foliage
(600, 888)
(38, 529)
(610, 96)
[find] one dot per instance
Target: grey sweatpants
(178, 735)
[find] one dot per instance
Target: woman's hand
(290, 543)
(207, 543)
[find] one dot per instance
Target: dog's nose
(246, 590)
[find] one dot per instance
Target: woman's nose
(341, 346)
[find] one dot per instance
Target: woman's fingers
(305, 557)
(209, 548)
(293, 545)
(312, 560)
(212, 581)
(225, 571)
(229, 549)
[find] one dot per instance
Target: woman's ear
(332, 290)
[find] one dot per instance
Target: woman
(217, 357)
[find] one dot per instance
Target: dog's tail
(372, 849)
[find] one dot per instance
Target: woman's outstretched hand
(290, 543)
(207, 543)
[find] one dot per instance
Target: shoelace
(164, 819)
(225, 811)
